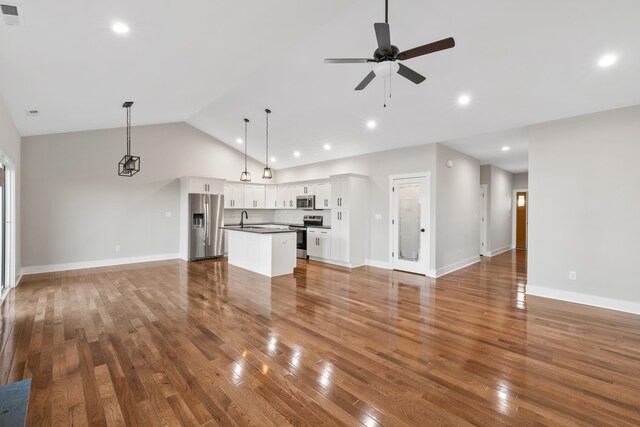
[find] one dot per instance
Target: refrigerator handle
(206, 221)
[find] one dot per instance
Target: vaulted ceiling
(212, 63)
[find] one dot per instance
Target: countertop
(328, 227)
(258, 230)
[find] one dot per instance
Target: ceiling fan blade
(347, 60)
(409, 74)
(383, 35)
(366, 81)
(427, 48)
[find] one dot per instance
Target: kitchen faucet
(242, 216)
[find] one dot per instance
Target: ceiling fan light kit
(129, 165)
(386, 55)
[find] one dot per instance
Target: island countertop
(257, 230)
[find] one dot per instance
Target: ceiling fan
(387, 54)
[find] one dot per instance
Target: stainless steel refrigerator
(206, 216)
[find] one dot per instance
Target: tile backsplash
(294, 216)
(232, 216)
(288, 216)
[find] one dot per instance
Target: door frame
(484, 210)
(431, 230)
(514, 215)
(10, 222)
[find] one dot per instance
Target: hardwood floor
(175, 343)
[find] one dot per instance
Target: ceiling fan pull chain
(384, 95)
(390, 78)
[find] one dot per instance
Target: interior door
(410, 224)
(483, 220)
(521, 220)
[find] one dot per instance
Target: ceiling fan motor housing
(386, 55)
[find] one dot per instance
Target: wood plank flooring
(176, 343)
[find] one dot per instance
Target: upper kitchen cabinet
(271, 197)
(323, 195)
(340, 191)
(254, 196)
(306, 190)
(200, 185)
(233, 196)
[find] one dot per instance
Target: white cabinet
(307, 190)
(291, 194)
(319, 243)
(271, 197)
(349, 220)
(340, 236)
(204, 185)
(323, 195)
(254, 196)
(340, 189)
(286, 197)
(233, 196)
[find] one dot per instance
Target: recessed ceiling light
(371, 124)
(239, 140)
(273, 159)
(505, 148)
(120, 28)
(607, 60)
(327, 147)
(464, 99)
(296, 153)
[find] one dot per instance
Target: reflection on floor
(204, 343)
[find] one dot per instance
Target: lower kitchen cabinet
(319, 243)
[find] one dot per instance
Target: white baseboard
(586, 299)
(379, 264)
(500, 250)
(457, 266)
(97, 263)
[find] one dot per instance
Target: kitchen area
(264, 227)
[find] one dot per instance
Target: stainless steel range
(301, 232)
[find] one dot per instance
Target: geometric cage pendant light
(245, 176)
(268, 173)
(129, 165)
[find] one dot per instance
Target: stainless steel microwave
(306, 202)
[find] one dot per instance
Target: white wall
(499, 208)
(521, 181)
(10, 147)
(485, 179)
(457, 210)
(584, 182)
(454, 194)
(378, 167)
(77, 208)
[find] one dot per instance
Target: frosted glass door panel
(409, 218)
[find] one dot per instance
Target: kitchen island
(267, 251)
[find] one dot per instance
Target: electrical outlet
(572, 275)
(117, 248)
(378, 216)
(167, 214)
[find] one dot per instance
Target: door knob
(422, 229)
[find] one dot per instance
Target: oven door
(301, 242)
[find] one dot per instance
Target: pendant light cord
(128, 131)
(246, 122)
(267, 159)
